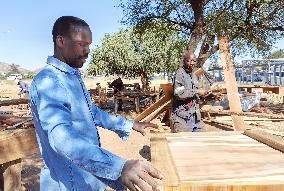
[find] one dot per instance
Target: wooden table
(216, 161)
(265, 89)
(132, 96)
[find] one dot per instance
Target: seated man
(117, 86)
(98, 89)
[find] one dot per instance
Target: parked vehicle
(15, 77)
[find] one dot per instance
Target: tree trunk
(144, 80)
(196, 35)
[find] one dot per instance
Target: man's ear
(60, 41)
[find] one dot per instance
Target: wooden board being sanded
(216, 161)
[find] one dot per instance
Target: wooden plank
(219, 161)
(274, 141)
(157, 111)
(230, 82)
(152, 108)
(6, 116)
(265, 89)
(14, 102)
(162, 160)
(168, 90)
(17, 144)
(226, 187)
(250, 114)
(248, 118)
(12, 175)
(13, 120)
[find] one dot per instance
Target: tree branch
(206, 25)
(273, 28)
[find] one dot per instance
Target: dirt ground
(136, 147)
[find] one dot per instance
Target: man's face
(190, 61)
(75, 49)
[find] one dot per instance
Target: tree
(251, 25)
(14, 68)
(131, 54)
(30, 75)
(276, 54)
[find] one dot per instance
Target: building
(264, 71)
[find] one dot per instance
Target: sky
(25, 26)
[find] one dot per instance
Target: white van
(15, 77)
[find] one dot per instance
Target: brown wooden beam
(272, 140)
(231, 83)
(14, 102)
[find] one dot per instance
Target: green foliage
(14, 69)
(252, 26)
(10, 72)
(2, 77)
(276, 54)
(30, 75)
(130, 53)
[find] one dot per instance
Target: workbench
(264, 89)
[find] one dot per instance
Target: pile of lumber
(14, 122)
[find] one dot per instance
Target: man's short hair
(63, 25)
(187, 54)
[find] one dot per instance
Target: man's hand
(201, 92)
(141, 174)
(140, 126)
(218, 97)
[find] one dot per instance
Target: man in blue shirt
(66, 121)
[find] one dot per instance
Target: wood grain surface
(218, 161)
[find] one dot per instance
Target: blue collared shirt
(66, 123)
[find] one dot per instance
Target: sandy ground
(136, 147)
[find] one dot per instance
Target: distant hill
(5, 68)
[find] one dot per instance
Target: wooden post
(251, 74)
(274, 75)
(115, 104)
(280, 74)
(243, 76)
(230, 82)
(137, 104)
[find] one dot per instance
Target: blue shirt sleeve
(118, 124)
(52, 109)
